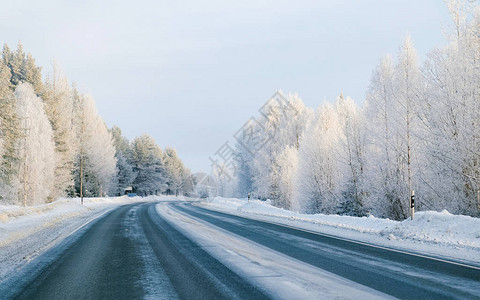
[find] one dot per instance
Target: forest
(53, 142)
(417, 130)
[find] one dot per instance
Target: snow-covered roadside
(439, 234)
(27, 232)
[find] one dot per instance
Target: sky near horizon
(191, 73)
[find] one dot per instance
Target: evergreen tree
(147, 162)
(16, 64)
(10, 130)
(33, 74)
(174, 171)
(125, 175)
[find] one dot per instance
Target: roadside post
(412, 204)
(478, 201)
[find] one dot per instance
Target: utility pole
(81, 172)
(82, 129)
(25, 165)
(478, 200)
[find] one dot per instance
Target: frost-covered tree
(22, 67)
(174, 171)
(319, 178)
(16, 63)
(287, 162)
(381, 137)
(148, 164)
(243, 172)
(33, 74)
(9, 132)
(36, 148)
(125, 175)
(96, 162)
(58, 99)
(352, 156)
(244, 159)
(408, 91)
(453, 112)
(394, 105)
(417, 131)
(282, 124)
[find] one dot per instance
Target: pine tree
(10, 131)
(174, 171)
(147, 162)
(7, 56)
(33, 74)
(16, 65)
(125, 175)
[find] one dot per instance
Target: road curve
(132, 253)
(395, 273)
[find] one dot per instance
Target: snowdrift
(438, 233)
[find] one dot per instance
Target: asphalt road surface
(134, 253)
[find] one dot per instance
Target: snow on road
(282, 276)
(432, 233)
(27, 232)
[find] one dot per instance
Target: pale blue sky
(190, 73)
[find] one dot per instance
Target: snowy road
(179, 250)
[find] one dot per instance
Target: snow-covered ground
(438, 234)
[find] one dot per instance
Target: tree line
(417, 130)
(53, 142)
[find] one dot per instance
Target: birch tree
(96, 162)
(58, 98)
(36, 148)
(352, 156)
(318, 182)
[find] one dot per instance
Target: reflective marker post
(412, 204)
(478, 200)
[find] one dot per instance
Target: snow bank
(431, 232)
(438, 227)
(17, 222)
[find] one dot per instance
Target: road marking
(349, 240)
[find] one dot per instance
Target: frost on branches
(417, 130)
